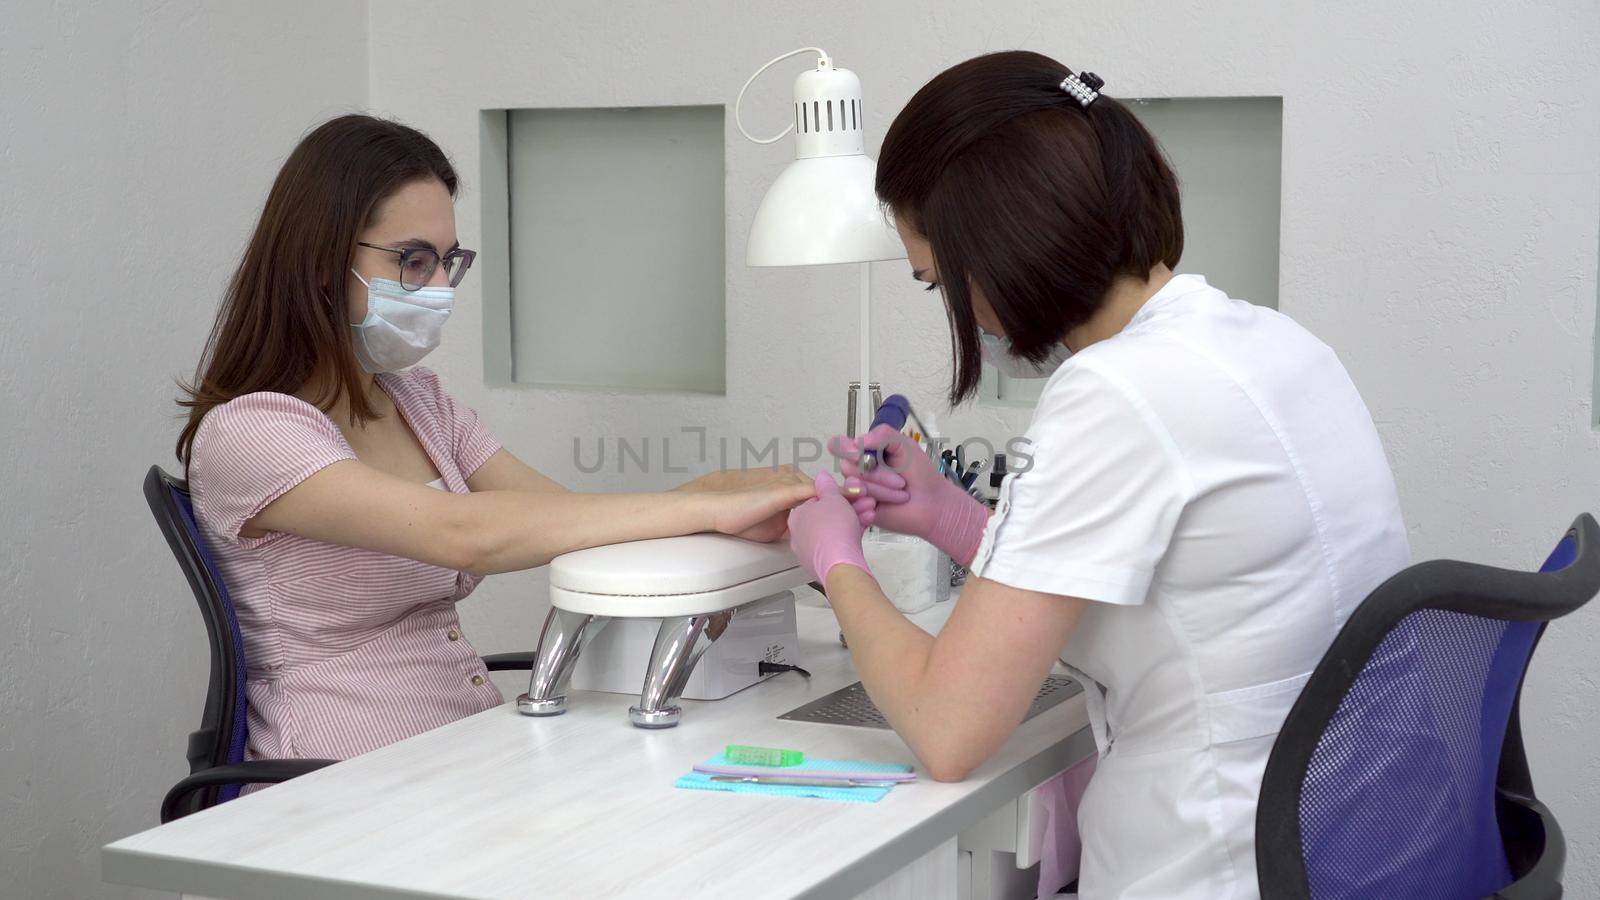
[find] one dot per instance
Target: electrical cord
(822, 60)
(772, 668)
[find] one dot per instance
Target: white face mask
(401, 326)
(996, 351)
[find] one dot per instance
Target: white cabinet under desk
(583, 805)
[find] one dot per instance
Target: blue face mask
(997, 352)
(401, 326)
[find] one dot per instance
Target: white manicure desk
(582, 805)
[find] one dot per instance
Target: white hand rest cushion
(676, 576)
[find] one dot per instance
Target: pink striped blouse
(347, 650)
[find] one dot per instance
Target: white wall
(1441, 199)
(1440, 205)
(137, 142)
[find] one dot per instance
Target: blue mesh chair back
(1400, 771)
(220, 739)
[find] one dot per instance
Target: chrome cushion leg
(561, 640)
(679, 645)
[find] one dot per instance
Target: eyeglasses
(417, 264)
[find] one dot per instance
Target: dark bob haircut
(1035, 200)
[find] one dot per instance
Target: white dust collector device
(692, 616)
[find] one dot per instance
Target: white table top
(582, 805)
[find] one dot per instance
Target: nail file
(842, 775)
(802, 781)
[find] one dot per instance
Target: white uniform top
(1212, 478)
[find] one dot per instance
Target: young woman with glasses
(349, 499)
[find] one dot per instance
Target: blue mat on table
(699, 781)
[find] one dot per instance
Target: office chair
(1400, 770)
(217, 767)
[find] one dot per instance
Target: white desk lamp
(822, 210)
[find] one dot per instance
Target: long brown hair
(1038, 201)
(285, 314)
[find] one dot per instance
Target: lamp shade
(823, 208)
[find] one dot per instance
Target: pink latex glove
(906, 493)
(825, 531)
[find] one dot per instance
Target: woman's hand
(906, 494)
(739, 479)
(759, 512)
(825, 531)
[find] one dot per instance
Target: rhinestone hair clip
(1083, 87)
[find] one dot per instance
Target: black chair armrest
(1535, 847)
(508, 662)
(256, 771)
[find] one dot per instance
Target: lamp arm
(822, 58)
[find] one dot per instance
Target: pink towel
(1058, 858)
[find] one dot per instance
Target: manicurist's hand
(905, 493)
(825, 531)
